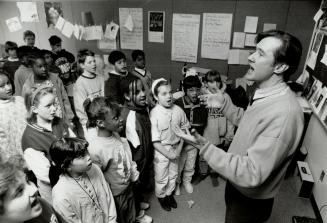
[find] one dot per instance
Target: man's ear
(100, 123)
(126, 96)
(280, 68)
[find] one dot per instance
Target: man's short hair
(289, 52)
(115, 56)
(10, 46)
(82, 54)
(28, 33)
(191, 81)
(53, 40)
(137, 53)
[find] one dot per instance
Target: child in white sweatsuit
(164, 116)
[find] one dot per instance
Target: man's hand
(212, 100)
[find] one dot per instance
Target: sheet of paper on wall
(111, 31)
(269, 26)
(97, 32)
(81, 32)
(68, 29)
(28, 11)
(244, 55)
(249, 39)
(234, 56)
(324, 58)
(185, 37)
(312, 59)
(76, 31)
(129, 24)
(216, 35)
(156, 26)
(318, 15)
(87, 33)
(238, 39)
(106, 59)
(107, 44)
(321, 106)
(131, 39)
(251, 23)
(60, 23)
(14, 24)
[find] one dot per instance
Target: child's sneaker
(143, 219)
(144, 206)
(177, 190)
(188, 187)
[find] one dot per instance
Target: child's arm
(38, 163)
(169, 153)
(230, 133)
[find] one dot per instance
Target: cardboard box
(304, 180)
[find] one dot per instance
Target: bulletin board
(286, 14)
(320, 69)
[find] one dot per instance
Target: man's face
(30, 41)
(262, 61)
(40, 69)
(56, 48)
(121, 66)
(21, 202)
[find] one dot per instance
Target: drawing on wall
(156, 26)
(53, 10)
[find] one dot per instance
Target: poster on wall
(216, 34)
(131, 28)
(156, 29)
(28, 11)
(185, 37)
(52, 12)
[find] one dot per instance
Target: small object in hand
(190, 203)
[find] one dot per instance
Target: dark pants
(125, 206)
(242, 209)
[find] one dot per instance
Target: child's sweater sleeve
(65, 209)
(111, 203)
(38, 163)
(79, 98)
(67, 106)
(155, 133)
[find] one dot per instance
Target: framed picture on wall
(156, 30)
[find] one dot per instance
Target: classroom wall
(289, 15)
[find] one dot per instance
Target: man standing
(268, 131)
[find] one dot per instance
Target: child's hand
(180, 133)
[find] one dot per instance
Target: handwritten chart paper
(131, 39)
(216, 33)
(238, 39)
(185, 37)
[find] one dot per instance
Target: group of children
(105, 171)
